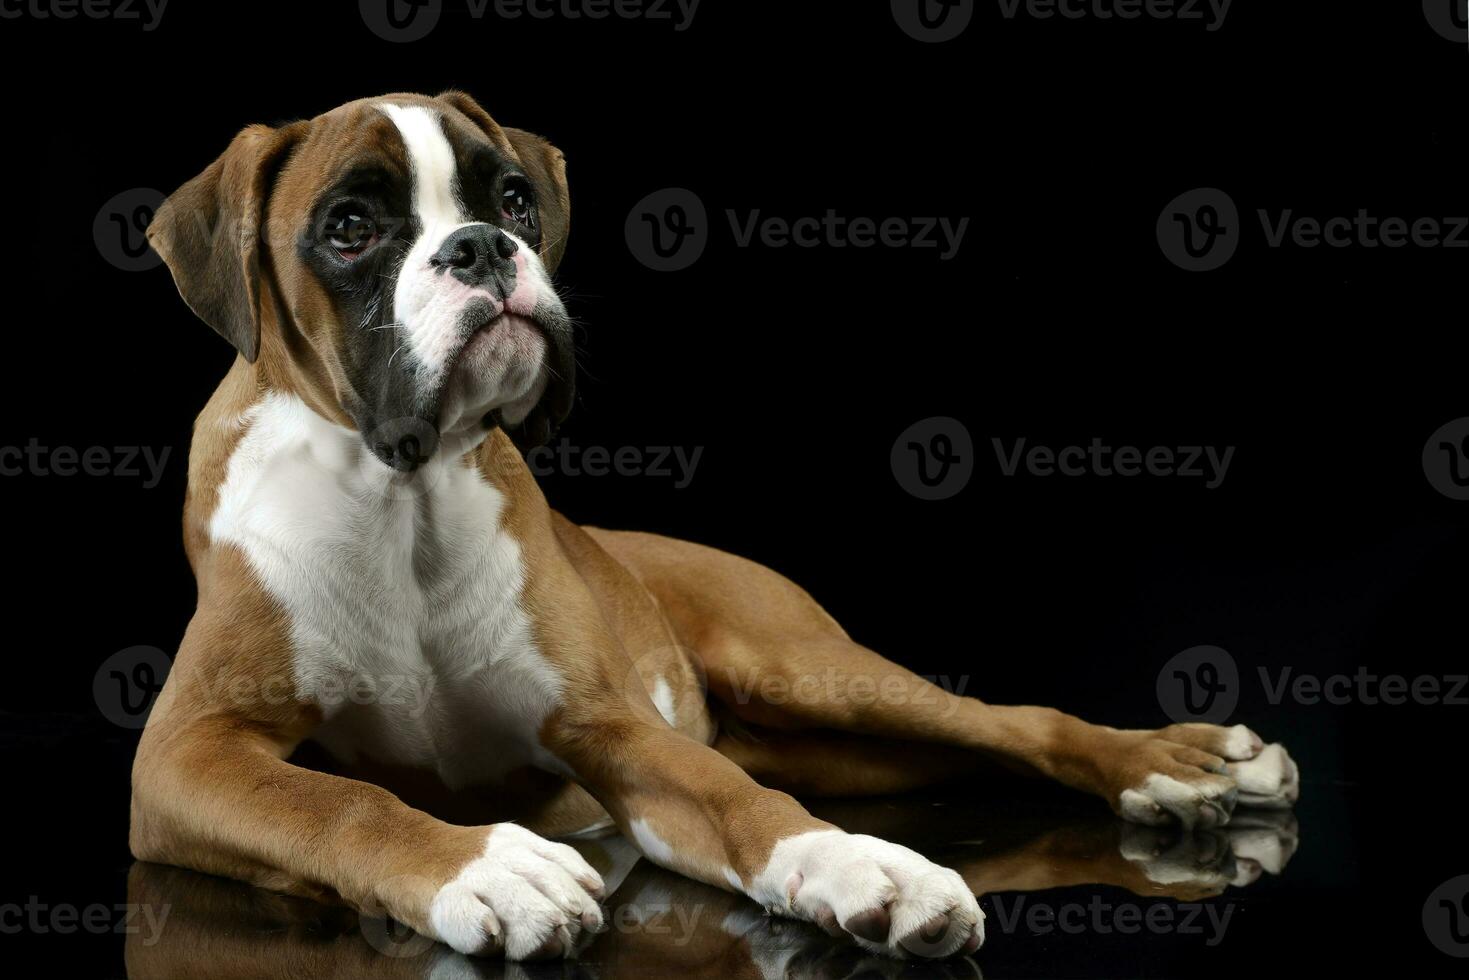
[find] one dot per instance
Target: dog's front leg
(694, 811)
(224, 802)
(212, 791)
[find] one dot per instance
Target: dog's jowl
(380, 575)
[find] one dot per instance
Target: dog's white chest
(404, 600)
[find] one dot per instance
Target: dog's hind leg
(839, 764)
(1191, 774)
(774, 658)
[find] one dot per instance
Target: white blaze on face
(428, 312)
(432, 159)
(429, 304)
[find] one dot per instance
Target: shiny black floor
(1337, 886)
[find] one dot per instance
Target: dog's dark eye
(518, 202)
(351, 234)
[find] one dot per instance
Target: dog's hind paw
(1197, 775)
(1270, 781)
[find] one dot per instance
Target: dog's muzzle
(546, 417)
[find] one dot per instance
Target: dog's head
(391, 261)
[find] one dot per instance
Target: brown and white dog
(380, 576)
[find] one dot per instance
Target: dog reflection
(661, 924)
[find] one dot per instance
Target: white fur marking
(1269, 780)
(650, 843)
(404, 600)
(432, 161)
(663, 701)
(1240, 743)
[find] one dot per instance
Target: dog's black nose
(477, 254)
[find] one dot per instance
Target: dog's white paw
(1269, 781)
(1196, 775)
(525, 896)
(889, 898)
(1239, 742)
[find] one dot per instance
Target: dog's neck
(489, 449)
(290, 366)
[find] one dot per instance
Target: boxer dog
(380, 580)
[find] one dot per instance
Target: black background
(795, 369)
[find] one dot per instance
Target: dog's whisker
(397, 352)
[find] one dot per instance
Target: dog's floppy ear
(544, 165)
(209, 232)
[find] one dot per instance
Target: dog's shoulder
(218, 430)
